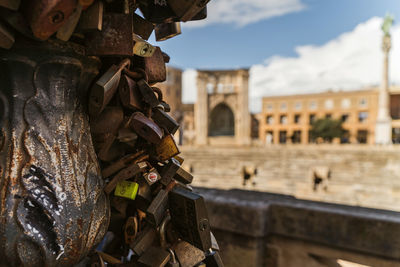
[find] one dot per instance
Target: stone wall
(359, 175)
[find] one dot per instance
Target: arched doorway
(222, 121)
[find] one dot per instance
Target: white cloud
(241, 13)
(351, 61)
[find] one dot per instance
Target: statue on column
(383, 131)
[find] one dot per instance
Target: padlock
(180, 159)
(157, 11)
(10, 4)
(130, 229)
(154, 66)
(92, 18)
(165, 121)
(108, 258)
(183, 176)
(126, 189)
(117, 38)
(167, 148)
(165, 105)
(214, 243)
(156, 211)
(165, 31)
(213, 259)
(143, 240)
(104, 148)
(142, 27)
(143, 198)
(152, 176)
(129, 94)
(65, 32)
(6, 37)
(104, 89)
(169, 170)
(127, 137)
(154, 257)
(172, 262)
(189, 216)
(185, 9)
(109, 121)
(125, 174)
(124, 162)
(148, 94)
(47, 16)
(145, 128)
(201, 15)
(187, 254)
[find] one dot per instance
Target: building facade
(221, 113)
(288, 119)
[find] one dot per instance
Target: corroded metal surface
(53, 209)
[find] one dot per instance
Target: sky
(290, 46)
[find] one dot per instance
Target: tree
(327, 129)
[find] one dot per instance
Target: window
(220, 88)
(363, 103)
(329, 104)
(345, 139)
(270, 107)
(313, 105)
(269, 137)
(346, 103)
(297, 106)
(270, 120)
(296, 137)
(210, 88)
(363, 116)
(345, 117)
(282, 137)
(297, 118)
(362, 136)
(283, 119)
(283, 106)
(312, 118)
(328, 116)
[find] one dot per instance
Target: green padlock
(126, 189)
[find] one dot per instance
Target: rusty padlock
(124, 162)
(109, 121)
(165, 121)
(148, 94)
(189, 216)
(125, 174)
(185, 9)
(129, 94)
(146, 128)
(142, 27)
(167, 148)
(167, 30)
(117, 38)
(92, 18)
(104, 89)
(47, 16)
(154, 66)
(65, 32)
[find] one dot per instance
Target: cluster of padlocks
(156, 218)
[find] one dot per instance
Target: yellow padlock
(126, 189)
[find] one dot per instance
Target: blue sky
(229, 45)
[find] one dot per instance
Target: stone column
(201, 110)
(383, 130)
(244, 125)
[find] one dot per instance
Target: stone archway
(222, 121)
